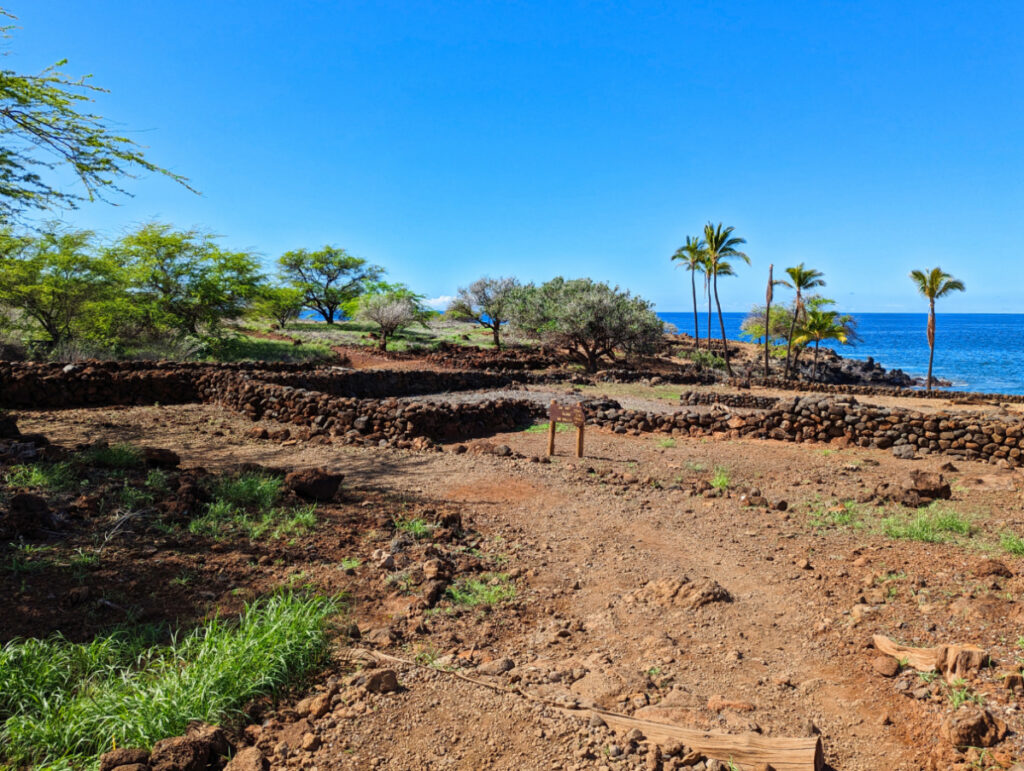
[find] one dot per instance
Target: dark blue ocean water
(976, 351)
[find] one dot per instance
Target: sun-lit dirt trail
(595, 542)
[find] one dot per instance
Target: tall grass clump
(259, 491)
(113, 456)
(933, 525)
(1012, 543)
(63, 704)
(52, 477)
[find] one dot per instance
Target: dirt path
(785, 656)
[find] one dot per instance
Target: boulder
(9, 428)
(249, 759)
(160, 457)
(27, 515)
(314, 484)
(124, 756)
(181, 753)
(973, 726)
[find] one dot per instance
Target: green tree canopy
(280, 304)
(328, 278)
(588, 318)
(55, 280)
(45, 127)
(181, 279)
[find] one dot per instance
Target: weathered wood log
(745, 751)
(953, 661)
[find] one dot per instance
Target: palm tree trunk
(721, 324)
(816, 344)
(708, 290)
(792, 331)
(767, 323)
(696, 330)
(931, 342)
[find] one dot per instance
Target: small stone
(886, 666)
(249, 759)
(496, 667)
(310, 742)
(382, 681)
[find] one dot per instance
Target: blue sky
(447, 141)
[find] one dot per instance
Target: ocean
(975, 351)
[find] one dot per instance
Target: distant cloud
(440, 303)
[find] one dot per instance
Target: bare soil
(581, 539)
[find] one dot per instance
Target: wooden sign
(566, 413)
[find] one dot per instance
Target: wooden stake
(579, 441)
(552, 427)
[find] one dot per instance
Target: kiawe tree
(328, 278)
(55, 280)
(693, 256)
(45, 131)
(182, 280)
(934, 284)
(803, 279)
(280, 304)
(487, 302)
(722, 246)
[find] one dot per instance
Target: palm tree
(724, 269)
(803, 279)
(823, 325)
(691, 255)
(721, 244)
(933, 285)
(769, 295)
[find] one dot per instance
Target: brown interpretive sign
(566, 413)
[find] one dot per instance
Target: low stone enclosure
(366, 406)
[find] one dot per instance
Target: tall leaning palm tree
(933, 285)
(691, 256)
(721, 245)
(803, 280)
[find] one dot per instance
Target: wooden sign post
(566, 413)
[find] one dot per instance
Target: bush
(590, 319)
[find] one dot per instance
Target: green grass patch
(842, 514)
(417, 528)
(244, 348)
(350, 563)
(223, 519)
(703, 359)
(935, 524)
(62, 704)
(1012, 544)
(156, 480)
(121, 456)
(667, 443)
(543, 428)
(134, 498)
(720, 478)
(487, 590)
(52, 477)
(258, 491)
